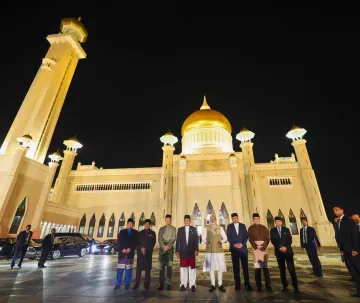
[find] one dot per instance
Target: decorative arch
(270, 219)
(281, 215)
(302, 214)
(293, 223)
(100, 233)
(133, 217)
(209, 211)
(196, 219)
(141, 221)
(92, 225)
(18, 217)
(82, 224)
(153, 219)
(121, 222)
(224, 217)
(111, 227)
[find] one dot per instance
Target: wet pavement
(91, 279)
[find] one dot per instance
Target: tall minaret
(251, 177)
(63, 180)
(166, 186)
(40, 110)
(316, 205)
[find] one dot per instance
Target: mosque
(206, 177)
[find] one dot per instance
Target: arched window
(224, 218)
(196, 219)
(270, 220)
(302, 215)
(293, 223)
(152, 219)
(209, 212)
(110, 232)
(133, 217)
(82, 224)
(121, 222)
(92, 226)
(141, 221)
(281, 215)
(100, 233)
(19, 215)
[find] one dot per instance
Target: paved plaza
(91, 279)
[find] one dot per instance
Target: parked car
(106, 247)
(7, 248)
(92, 243)
(67, 246)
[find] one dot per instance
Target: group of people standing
(185, 244)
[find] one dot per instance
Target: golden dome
(73, 139)
(205, 117)
(294, 127)
(169, 133)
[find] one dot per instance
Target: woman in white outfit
(214, 236)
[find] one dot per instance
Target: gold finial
(79, 19)
(205, 105)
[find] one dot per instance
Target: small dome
(169, 133)
(294, 127)
(182, 157)
(244, 130)
(73, 139)
(56, 154)
(27, 137)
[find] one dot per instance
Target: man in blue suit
(237, 236)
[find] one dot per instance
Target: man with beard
(214, 236)
(126, 245)
(187, 248)
(281, 239)
(146, 243)
(348, 240)
(167, 237)
(237, 236)
(259, 240)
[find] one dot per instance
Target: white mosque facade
(205, 177)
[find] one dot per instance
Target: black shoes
(237, 287)
(269, 289)
(116, 287)
(355, 296)
(296, 288)
(161, 287)
(193, 288)
(135, 287)
(212, 288)
(248, 287)
(12, 266)
(168, 287)
(127, 286)
(19, 265)
(222, 288)
(258, 289)
(182, 288)
(285, 288)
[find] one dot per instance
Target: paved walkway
(91, 279)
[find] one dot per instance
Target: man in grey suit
(167, 238)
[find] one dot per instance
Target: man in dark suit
(348, 239)
(47, 245)
(145, 248)
(237, 236)
(187, 248)
(311, 243)
(126, 245)
(356, 219)
(21, 246)
(281, 238)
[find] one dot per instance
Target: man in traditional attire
(237, 236)
(126, 245)
(187, 248)
(145, 248)
(21, 245)
(281, 239)
(167, 238)
(259, 239)
(310, 241)
(46, 245)
(214, 236)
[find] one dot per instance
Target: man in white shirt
(214, 236)
(187, 248)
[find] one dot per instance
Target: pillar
(182, 193)
(166, 185)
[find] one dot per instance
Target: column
(182, 194)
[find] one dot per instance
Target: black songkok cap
(147, 221)
(278, 218)
(234, 215)
(168, 216)
(256, 215)
(131, 220)
(187, 217)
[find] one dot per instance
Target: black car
(67, 246)
(7, 248)
(92, 243)
(106, 247)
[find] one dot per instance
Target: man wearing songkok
(187, 248)
(145, 248)
(214, 236)
(126, 245)
(167, 238)
(259, 239)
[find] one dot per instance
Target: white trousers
(212, 277)
(185, 273)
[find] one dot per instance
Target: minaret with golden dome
(40, 110)
(206, 131)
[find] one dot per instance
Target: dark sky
(146, 74)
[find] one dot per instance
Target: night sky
(145, 75)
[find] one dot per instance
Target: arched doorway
(18, 217)
(153, 221)
(121, 222)
(92, 226)
(196, 219)
(82, 224)
(111, 227)
(224, 218)
(302, 214)
(100, 233)
(208, 213)
(281, 215)
(141, 221)
(133, 217)
(270, 219)
(293, 223)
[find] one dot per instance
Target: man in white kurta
(214, 236)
